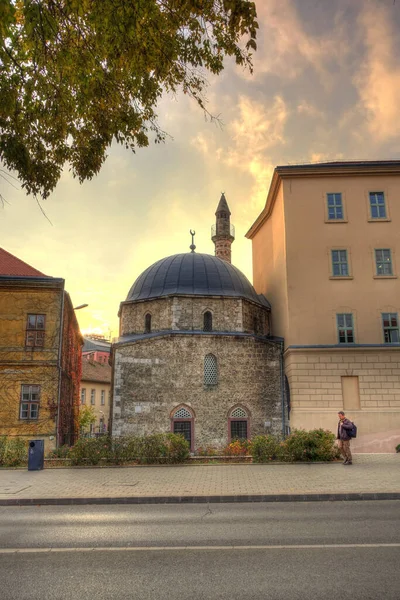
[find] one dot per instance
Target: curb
(201, 499)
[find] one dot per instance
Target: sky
(326, 86)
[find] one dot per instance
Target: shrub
(398, 448)
(301, 445)
(61, 452)
(177, 448)
(13, 452)
(208, 451)
(89, 451)
(265, 448)
(238, 448)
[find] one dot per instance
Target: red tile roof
(11, 265)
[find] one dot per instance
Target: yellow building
(40, 355)
(326, 254)
(95, 392)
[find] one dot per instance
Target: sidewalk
(371, 477)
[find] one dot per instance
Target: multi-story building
(95, 392)
(96, 349)
(326, 254)
(40, 355)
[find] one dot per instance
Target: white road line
(195, 548)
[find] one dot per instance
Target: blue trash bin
(35, 455)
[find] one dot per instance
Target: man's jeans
(344, 447)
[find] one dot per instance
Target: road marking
(195, 548)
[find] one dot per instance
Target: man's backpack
(352, 433)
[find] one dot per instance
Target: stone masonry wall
(154, 376)
(186, 313)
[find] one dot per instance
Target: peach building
(326, 254)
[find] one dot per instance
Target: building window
(390, 328)
(35, 328)
(207, 321)
(30, 398)
(83, 396)
(182, 423)
(340, 265)
(345, 328)
(92, 396)
(238, 424)
(103, 397)
(377, 205)
(147, 323)
(383, 261)
(335, 207)
(210, 370)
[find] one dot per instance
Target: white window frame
(345, 327)
(373, 202)
(337, 205)
(342, 262)
(30, 397)
(387, 331)
(92, 397)
(83, 396)
(103, 397)
(386, 264)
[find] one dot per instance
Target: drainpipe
(282, 389)
(60, 366)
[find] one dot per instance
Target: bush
(301, 445)
(89, 451)
(265, 448)
(177, 448)
(208, 451)
(13, 452)
(238, 448)
(61, 452)
(398, 448)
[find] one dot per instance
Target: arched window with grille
(147, 323)
(182, 422)
(210, 370)
(238, 423)
(207, 321)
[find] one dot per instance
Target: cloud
(378, 82)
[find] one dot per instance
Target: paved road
(269, 551)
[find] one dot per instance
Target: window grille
(377, 205)
(182, 413)
(147, 323)
(335, 207)
(239, 413)
(210, 370)
(207, 321)
(238, 430)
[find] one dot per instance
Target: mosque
(195, 354)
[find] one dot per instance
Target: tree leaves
(77, 74)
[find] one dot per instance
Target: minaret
(223, 233)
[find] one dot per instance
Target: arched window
(210, 370)
(238, 424)
(207, 321)
(147, 323)
(182, 422)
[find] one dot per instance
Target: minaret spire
(223, 233)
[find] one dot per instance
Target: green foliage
(61, 452)
(89, 451)
(78, 74)
(266, 448)
(86, 417)
(238, 448)
(208, 451)
(301, 445)
(13, 451)
(398, 448)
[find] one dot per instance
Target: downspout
(282, 390)
(60, 365)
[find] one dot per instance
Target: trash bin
(36, 455)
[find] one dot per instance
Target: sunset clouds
(326, 86)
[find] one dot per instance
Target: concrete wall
(364, 383)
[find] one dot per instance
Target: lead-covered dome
(193, 274)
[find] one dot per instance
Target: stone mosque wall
(154, 376)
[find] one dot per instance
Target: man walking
(344, 439)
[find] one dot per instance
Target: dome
(193, 274)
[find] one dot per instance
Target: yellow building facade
(326, 253)
(40, 355)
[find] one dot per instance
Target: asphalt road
(269, 551)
